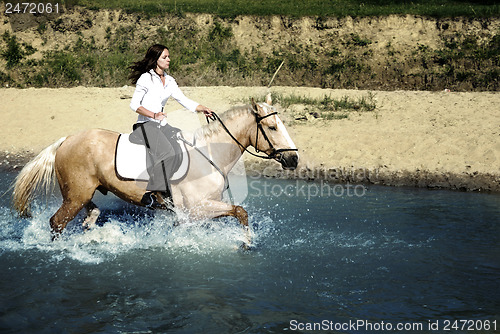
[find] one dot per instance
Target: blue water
(325, 255)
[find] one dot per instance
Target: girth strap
(146, 141)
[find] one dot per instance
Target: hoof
(247, 247)
(90, 222)
(54, 235)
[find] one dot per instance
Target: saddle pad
(130, 160)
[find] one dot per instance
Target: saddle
(131, 159)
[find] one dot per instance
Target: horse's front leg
(241, 214)
(217, 209)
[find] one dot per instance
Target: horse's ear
(269, 100)
(254, 106)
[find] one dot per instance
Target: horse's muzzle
(289, 160)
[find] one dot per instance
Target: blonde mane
(213, 128)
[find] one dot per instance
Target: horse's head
(272, 137)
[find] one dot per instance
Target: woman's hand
(207, 111)
(159, 116)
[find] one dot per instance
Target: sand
(413, 138)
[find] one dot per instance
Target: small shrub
(358, 41)
(219, 33)
(14, 53)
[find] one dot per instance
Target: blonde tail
(37, 174)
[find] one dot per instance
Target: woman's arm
(189, 104)
(143, 85)
(147, 113)
(139, 92)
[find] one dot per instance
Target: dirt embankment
(93, 48)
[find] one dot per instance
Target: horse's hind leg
(93, 213)
(73, 202)
(66, 213)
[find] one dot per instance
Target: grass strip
(300, 8)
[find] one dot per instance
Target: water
(325, 255)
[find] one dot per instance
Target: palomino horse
(85, 162)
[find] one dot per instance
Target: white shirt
(153, 95)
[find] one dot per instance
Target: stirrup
(150, 201)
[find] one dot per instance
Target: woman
(153, 89)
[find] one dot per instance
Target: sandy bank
(415, 138)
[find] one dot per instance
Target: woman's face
(164, 61)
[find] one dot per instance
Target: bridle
(275, 153)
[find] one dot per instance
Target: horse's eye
(272, 128)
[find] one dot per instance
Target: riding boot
(158, 187)
(159, 178)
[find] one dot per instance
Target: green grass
(299, 8)
(325, 107)
(327, 103)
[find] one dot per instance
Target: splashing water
(393, 255)
(118, 234)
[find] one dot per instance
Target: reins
(258, 119)
(193, 145)
(216, 117)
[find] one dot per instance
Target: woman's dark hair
(147, 63)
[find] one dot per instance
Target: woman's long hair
(147, 63)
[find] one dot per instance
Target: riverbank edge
(464, 181)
